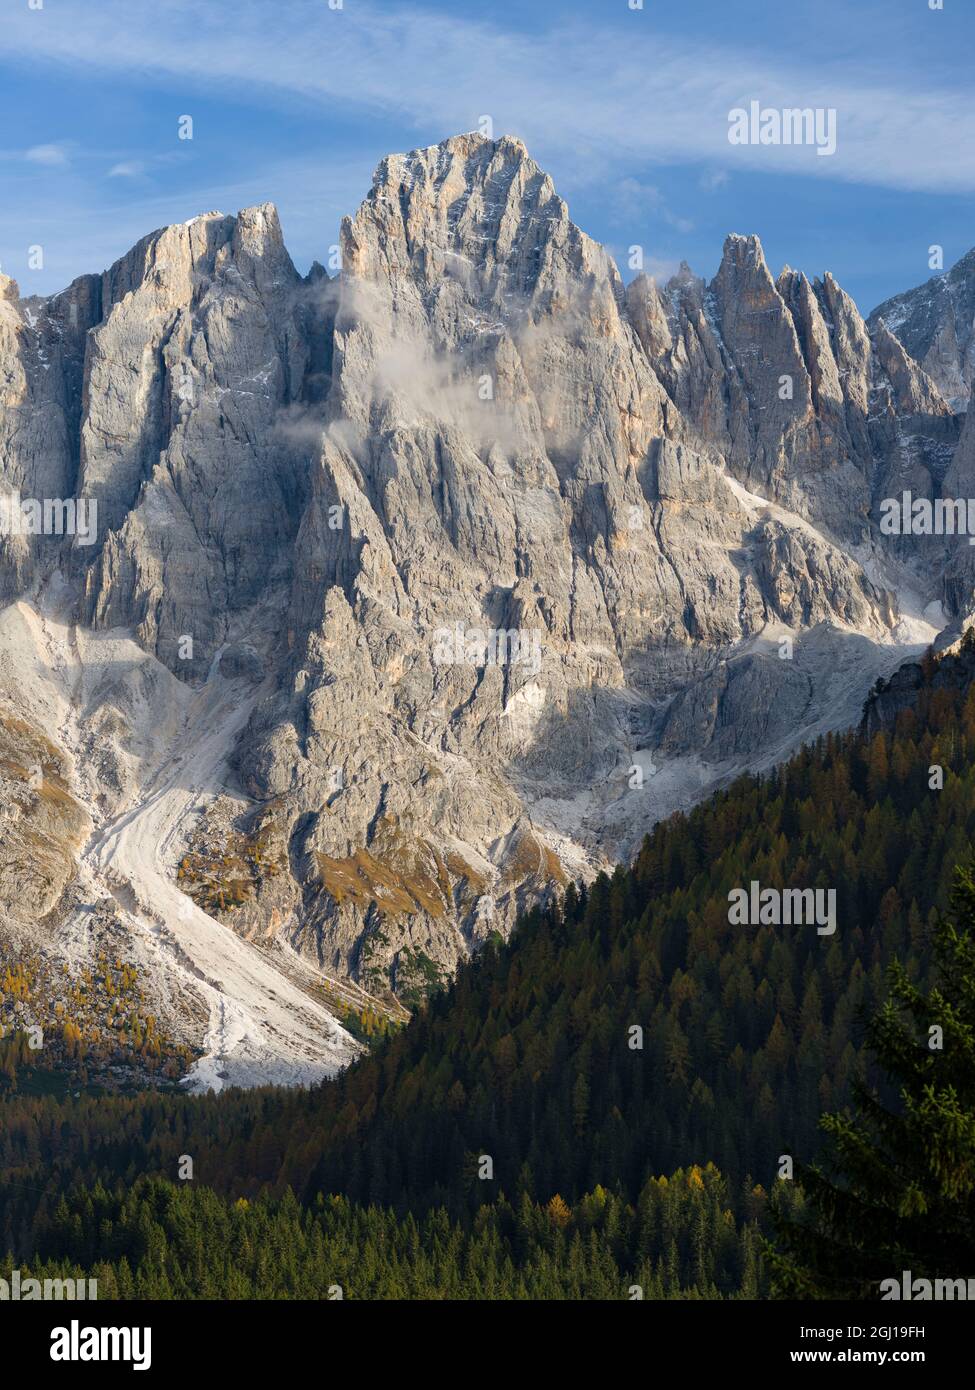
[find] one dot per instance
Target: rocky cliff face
(203, 343)
(496, 559)
(935, 323)
(42, 351)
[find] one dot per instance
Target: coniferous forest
(632, 1097)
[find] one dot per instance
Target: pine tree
(904, 1198)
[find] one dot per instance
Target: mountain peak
(936, 324)
(474, 429)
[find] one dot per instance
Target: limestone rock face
(783, 377)
(42, 352)
(41, 824)
(203, 343)
(485, 560)
(935, 322)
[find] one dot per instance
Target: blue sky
(294, 102)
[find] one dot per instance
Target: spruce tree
(895, 1191)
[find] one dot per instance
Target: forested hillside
(629, 1032)
(162, 1240)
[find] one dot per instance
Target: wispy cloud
(563, 90)
(633, 201)
(52, 156)
(127, 169)
(660, 269)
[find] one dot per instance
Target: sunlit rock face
(936, 324)
(497, 559)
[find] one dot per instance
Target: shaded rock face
(512, 558)
(42, 352)
(935, 322)
(889, 698)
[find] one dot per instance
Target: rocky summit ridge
(419, 590)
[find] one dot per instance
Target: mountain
(935, 324)
(418, 592)
(510, 1140)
